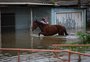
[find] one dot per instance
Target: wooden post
(0, 30)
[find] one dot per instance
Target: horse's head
(34, 25)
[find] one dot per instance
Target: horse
(48, 30)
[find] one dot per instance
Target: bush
(85, 38)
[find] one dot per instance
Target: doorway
(8, 29)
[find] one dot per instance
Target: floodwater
(23, 39)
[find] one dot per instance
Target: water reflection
(8, 40)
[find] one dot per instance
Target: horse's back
(50, 30)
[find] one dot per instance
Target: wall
(77, 15)
(23, 23)
(40, 12)
(22, 27)
(22, 17)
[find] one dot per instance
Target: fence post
(18, 56)
(79, 58)
(69, 55)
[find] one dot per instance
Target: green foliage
(85, 38)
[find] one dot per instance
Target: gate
(71, 20)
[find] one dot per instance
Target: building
(17, 16)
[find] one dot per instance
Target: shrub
(85, 38)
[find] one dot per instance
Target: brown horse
(48, 30)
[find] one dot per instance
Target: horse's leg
(40, 33)
(65, 31)
(61, 33)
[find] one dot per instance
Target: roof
(46, 2)
(85, 2)
(35, 1)
(30, 2)
(39, 2)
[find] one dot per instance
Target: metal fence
(50, 56)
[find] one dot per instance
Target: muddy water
(23, 39)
